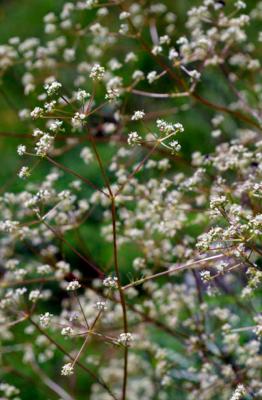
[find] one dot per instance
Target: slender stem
(122, 297)
(87, 181)
(182, 83)
(137, 169)
(5, 284)
(50, 383)
(101, 166)
(62, 238)
(171, 270)
(150, 94)
(82, 311)
(80, 351)
(82, 366)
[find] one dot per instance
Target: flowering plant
(131, 247)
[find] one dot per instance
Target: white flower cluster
(73, 285)
(239, 392)
(125, 339)
(182, 232)
(45, 319)
(111, 282)
(168, 128)
(53, 88)
(138, 115)
(97, 72)
(67, 369)
(134, 139)
(9, 390)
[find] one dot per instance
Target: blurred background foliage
(23, 18)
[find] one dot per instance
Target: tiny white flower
(52, 88)
(112, 94)
(240, 5)
(67, 331)
(124, 15)
(21, 149)
(37, 112)
(125, 339)
(67, 369)
(111, 282)
(74, 285)
(101, 305)
(55, 125)
(134, 139)
(45, 319)
(86, 155)
(69, 55)
(152, 76)
(138, 115)
(24, 172)
(34, 295)
(82, 95)
(97, 72)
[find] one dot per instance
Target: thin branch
(99, 380)
(137, 169)
(122, 297)
(66, 169)
(51, 384)
(62, 238)
(172, 270)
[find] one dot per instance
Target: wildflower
(112, 94)
(55, 126)
(205, 276)
(24, 172)
(239, 392)
(97, 72)
(138, 115)
(134, 139)
(52, 88)
(86, 155)
(101, 305)
(45, 319)
(9, 390)
(67, 331)
(82, 95)
(78, 120)
(37, 112)
(34, 295)
(11, 264)
(173, 54)
(74, 285)
(89, 4)
(124, 15)
(69, 55)
(125, 339)
(62, 268)
(168, 128)
(195, 75)
(157, 50)
(240, 5)
(130, 57)
(50, 106)
(44, 144)
(218, 201)
(123, 30)
(111, 282)
(152, 76)
(21, 150)
(138, 75)
(67, 369)
(175, 146)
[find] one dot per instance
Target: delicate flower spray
(127, 254)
